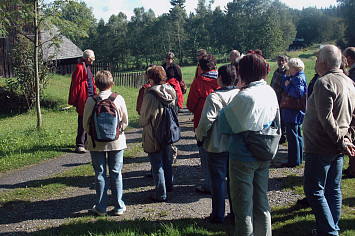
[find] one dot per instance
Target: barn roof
(66, 50)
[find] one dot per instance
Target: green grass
(21, 144)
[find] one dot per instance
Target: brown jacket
(151, 111)
(329, 114)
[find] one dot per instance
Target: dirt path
(23, 217)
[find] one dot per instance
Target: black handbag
(264, 144)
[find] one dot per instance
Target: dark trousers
(81, 135)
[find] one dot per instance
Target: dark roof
(66, 50)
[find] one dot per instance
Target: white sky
(105, 8)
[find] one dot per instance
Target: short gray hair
(88, 53)
(235, 52)
(330, 54)
(103, 79)
(296, 63)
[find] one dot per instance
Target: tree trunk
(38, 104)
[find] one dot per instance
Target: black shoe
(149, 175)
(282, 140)
(156, 199)
(213, 220)
(288, 165)
(346, 171)
(202, 190)
(303, 202)
(348, 176)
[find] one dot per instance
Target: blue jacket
(296, 88)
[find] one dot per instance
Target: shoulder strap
(221, 99)
(96, 97)
(113, 96)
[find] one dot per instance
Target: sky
(105, 8)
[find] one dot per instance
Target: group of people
(226, 103)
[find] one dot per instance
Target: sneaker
(80, 150)
(97, 212)
(118, 212)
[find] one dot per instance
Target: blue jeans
(115, 162)
(322, 186)
(295, 144)
(206, 185)
(248, 186)
(218, 169)
(162, 171)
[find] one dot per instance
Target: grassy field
(21, 144)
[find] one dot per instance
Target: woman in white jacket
(214, 142)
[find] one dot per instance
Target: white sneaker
(94, 210)
(118, 212)
(80, 150)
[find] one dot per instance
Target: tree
(180, 3)
(348, 13)
(27, 19)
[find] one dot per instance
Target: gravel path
(23, 217)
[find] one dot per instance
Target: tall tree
(348, 13)
(180, 3)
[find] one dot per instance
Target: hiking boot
(80, 150)
(119, 212)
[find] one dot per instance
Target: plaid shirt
(276, 82)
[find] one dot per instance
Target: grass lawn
(21, 144)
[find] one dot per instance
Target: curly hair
(103, 80)
(157, 74)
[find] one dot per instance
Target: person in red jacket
(173, 72)
(82, 86)
(200, 88)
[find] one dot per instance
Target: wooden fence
(134, 80)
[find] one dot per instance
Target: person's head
(104, 80)
(259, 52)
(328, 58)
(201, 52)
(169, 58)
(344, 65)
(295, 65)
(146, 72)
(349, 54)
(208, 62)
(252, 67)
(282, 61)
(88, 56)
(227, 75)
(233, 55)
(156, 75)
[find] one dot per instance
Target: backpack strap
(113, 96)
(96, 97)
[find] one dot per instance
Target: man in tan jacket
(327, 137)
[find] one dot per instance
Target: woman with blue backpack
(156, 98)
(105, 118)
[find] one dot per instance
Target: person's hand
(287, 82)
(349, 147)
